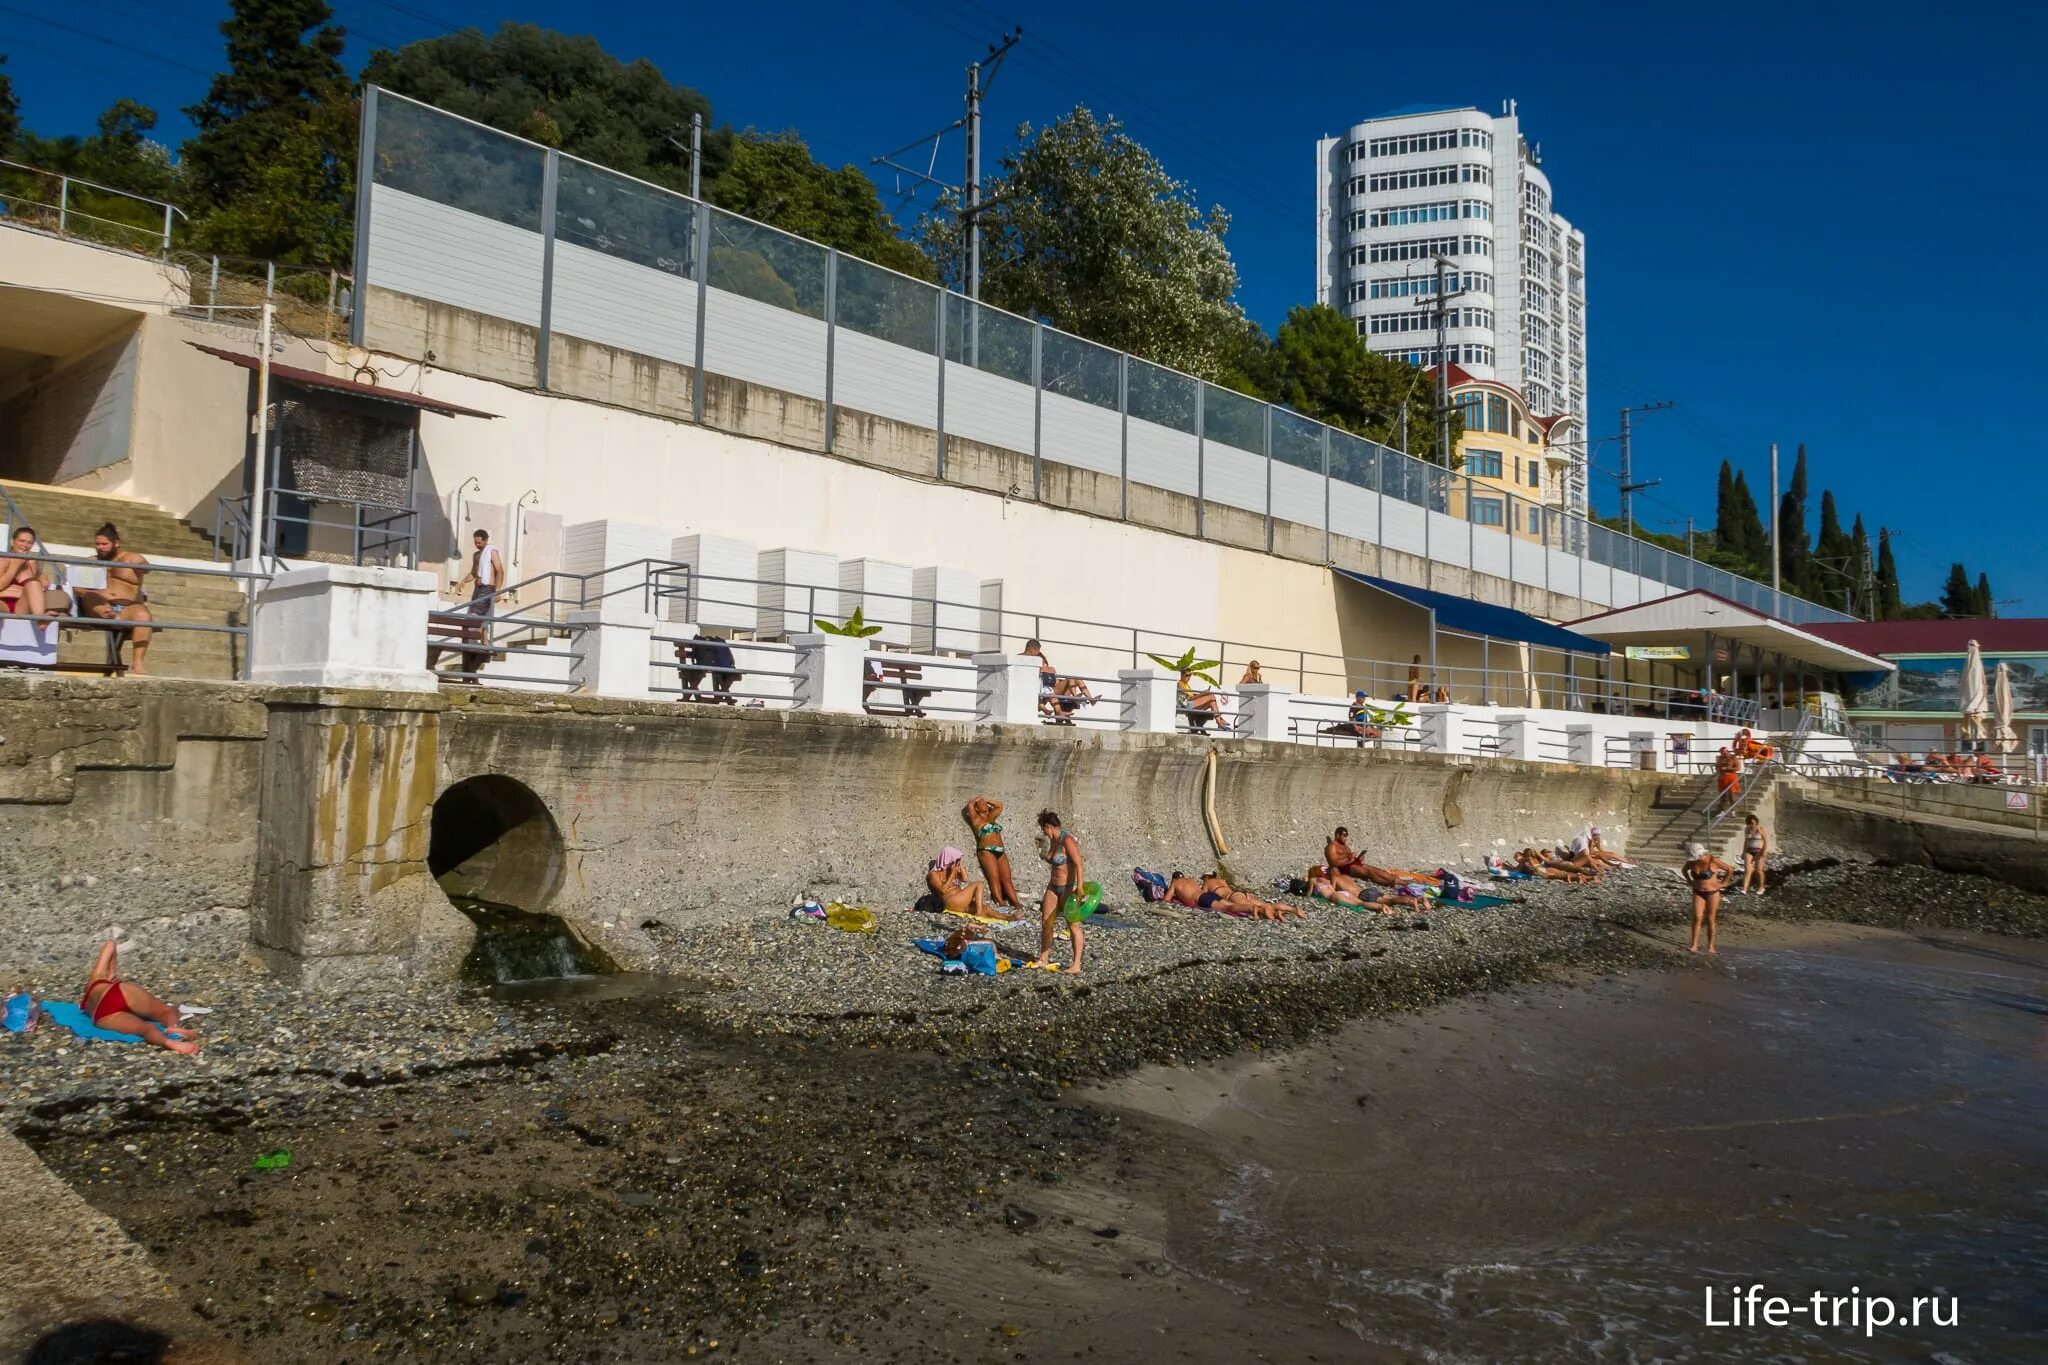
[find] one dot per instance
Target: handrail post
(63, 203)
(167, 229)
(831, 342)
(549, 178)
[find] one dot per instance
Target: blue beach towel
(66, 1014)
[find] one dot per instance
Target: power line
(110, 42)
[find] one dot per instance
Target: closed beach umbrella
(1976, 699)
(2007, 738)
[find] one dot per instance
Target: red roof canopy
(313, 379)
(2023, 635)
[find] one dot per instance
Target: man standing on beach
(122, 598)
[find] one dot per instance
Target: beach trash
(273, 1161)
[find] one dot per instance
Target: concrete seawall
(2018, 857)
(216, 819)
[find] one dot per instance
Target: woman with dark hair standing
(1062, 892)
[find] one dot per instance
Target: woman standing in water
(1756, 848)
(1708, 877)
(1062, 891)
(985, 817)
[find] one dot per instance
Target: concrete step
(65, 516)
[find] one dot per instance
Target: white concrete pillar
(1642, 742)
(1148, 700)
(1438, 724)
(1518, 737)
(1266, 711)
(828, 672)
(614, 643)
(1006, 689)
(1580, 746)
(343, 625)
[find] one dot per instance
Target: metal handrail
(65, 212)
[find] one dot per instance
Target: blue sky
(1804, 221)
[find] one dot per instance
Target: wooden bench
(877, 675)
(464, 633)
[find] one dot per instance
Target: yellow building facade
(1514, 463)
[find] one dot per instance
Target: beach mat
(1480, 901)
(69, 1016)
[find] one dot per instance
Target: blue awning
(1483, 618)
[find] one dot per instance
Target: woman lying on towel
(1538, 864)
(124, 1007)
(949, 882)
(1341, 890)
(1600, 853)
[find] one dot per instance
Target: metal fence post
(1037, 411)
(167, 229)
(1472, 537)
(831, 341)
(1326, 503)
(1379, 510)
(1123, 408)
(550, 171)
(63, 203)
(1269, 476)
(1201, 456)
(941, 340)
(702, 261)
(366, 167)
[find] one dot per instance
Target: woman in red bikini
(125, 1007)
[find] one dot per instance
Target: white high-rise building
(1396, 193)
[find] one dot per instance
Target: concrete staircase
(1678, 817)
(65, 517)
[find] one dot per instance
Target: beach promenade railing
(576, 258)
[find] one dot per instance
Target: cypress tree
(1750, 541)
(1982, 594)
(1890, 606)
(1859, 568)
(1795, 559)
(1958, 598)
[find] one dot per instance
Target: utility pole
(979, 76)
(696, 156)
(1446, 273)
(1775, 570)
(1629, 488)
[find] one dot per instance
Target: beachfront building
(1917, 706)
(1517, 463)
(1399, 193)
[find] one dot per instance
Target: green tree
(562, 91)
(1958, 598)
(1088, 232)
(1795, 558)
(1323, 369)
(10, 111)
(775, 180)
(1981, 597)
(1859, 569)
(1742, 534)
(1832, 574)
(271, 169)
(1890, 607)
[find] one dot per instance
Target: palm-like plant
(1188, 663)
(855, 625)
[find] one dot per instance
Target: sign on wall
(1658, 651)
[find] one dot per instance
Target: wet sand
(1560, 1172)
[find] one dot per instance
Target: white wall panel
(1234, 477)
(447, 255)
(1162, 457)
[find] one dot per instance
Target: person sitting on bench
(705, 654)
(122, 599)
(1201, 708)
(24, 588)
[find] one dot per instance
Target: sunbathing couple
(1584, 859)
(1214, 893)
(1345, 878)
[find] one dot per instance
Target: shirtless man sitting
(1339, 857)
(1538, 864)
(123, 598)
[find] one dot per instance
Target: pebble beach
(749, 1146)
